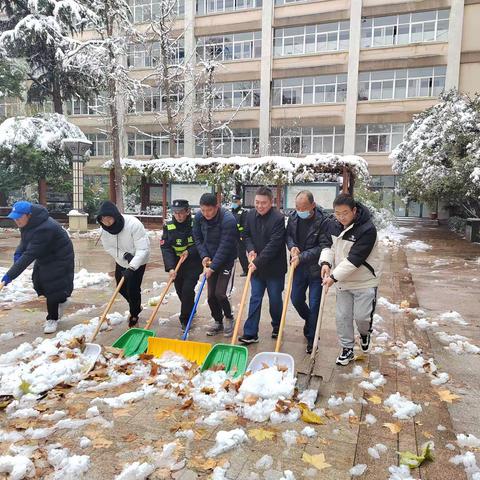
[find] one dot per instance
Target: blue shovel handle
(194, 309)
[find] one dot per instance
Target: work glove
(6, 279)
(127, 274)
(16, 257)
(128, 257)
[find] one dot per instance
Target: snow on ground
(418, 246)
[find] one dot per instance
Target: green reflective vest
(179, 240)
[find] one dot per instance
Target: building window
(401, 84)
(148, 10)
(324, 37)
(241, 141)
(236, 46)
(152, 145)
(310, 90)
(376, 138)
(152, 100)
(287, 2)
(78, 106)
(403, 29)
(101, 145)
(234, 95)
(215, 6)
(307, 140)
(147, 55)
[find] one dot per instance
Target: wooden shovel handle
(109, 306)
(319, 321)
(2, 285)
(164, 293)
(291, 271)
(242, 306)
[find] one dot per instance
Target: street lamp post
(78, 147)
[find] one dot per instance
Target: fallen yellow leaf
(318, 461)
(393, 427)
(447, 396)
(261, 434)
(375, 399)
(310, 417)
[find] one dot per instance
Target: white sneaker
(61, 308)
(50, 326)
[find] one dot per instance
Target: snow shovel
(192, 351)
(92, 350)
(135, 340)
(233, 358)
(283, 361)
(305, 377)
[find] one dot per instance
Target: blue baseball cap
(20, 208)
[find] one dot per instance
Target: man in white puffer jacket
(126, 240)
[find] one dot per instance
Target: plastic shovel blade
(134, 341)
(192, 351)
(283, 361)
(91, 353)
(232, 358)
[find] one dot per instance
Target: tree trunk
(164, 199)
(42, 191)
(112, 195)
(57, 98)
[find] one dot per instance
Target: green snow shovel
(231, 357)
(135, 340)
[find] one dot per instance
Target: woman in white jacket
(125, 239)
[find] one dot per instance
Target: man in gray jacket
(352, 264)
(125, 239)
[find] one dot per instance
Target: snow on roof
(274, 169)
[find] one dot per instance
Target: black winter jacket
(44, 241)
(216, 238)
(317, 239)
(265, 235)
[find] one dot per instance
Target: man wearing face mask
(240, 214)
(306, 237)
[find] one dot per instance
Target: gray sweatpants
(354, 305)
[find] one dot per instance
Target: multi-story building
(320, 76)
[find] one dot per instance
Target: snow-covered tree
(439, 158)
(31, 149)
(10, 79)
(39, 32)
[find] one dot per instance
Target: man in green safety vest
(177, 241)
(240, 213)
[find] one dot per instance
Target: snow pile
(393, 307)
(440, 378)
(375, 379)
(403, 408)
(135, 471)
(418, 246)
(358, 470)
(452, 317)
(84, 279)
(424, 324)
(264, 463)
(4, 337)
(18, 467)
(446, 338)
(469, 440)
(67, 467)
(126, 398)
(399, 473)
(469, 463)
(227, 440)
(370, 419)
(268, 383)
(376, 450)
(460, 347)
(290, 437)
(392, 235)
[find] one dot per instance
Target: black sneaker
(132, 321)
(247, 339)
(275, 332)
(183, 325)
(345, 357)
(365, 342)
(215, 329)
(309, 348)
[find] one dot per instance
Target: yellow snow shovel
(271, 359)
(135, 340)
(192, 351)
(92, 350)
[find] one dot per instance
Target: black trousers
(185, 281)
(131, 291)
(217, 295)
(242, 255)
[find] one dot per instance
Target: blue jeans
(302, 280)
(274, 288)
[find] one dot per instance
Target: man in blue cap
(44, 241)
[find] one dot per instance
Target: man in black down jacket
(265, 241)
(216, 236)
(44, 241)
(306, 237)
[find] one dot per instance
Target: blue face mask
(303, 215)
(234, 205)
